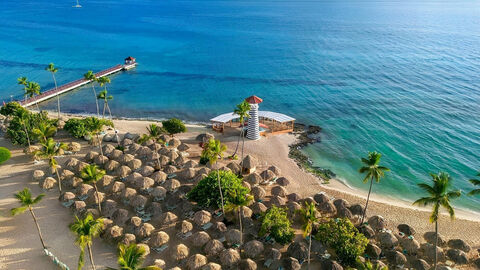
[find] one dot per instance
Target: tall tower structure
(253, 131)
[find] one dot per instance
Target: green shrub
(11, 108)
(206, 192)
(4, 154)
(174, 126)
(276, 223)
(341, 236)
(78, 128)
(16, 128)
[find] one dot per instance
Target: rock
(279, 191)
(180, 252)
(356, 209)
(459, 244)
(229, 258)
(387, 239)
(367, 231)
(48, 183)
(291, 264)
(457, 256)
(419, 264)
(213, 247)
(253, 249)
(199, 239)
(233, 236)
(430, 238)
(298, 250)
(406, 229)
(202, 217)
(373, 251)
(247, 264)
(196, 261)
(38, 175)
(377, 223)
(395, 258)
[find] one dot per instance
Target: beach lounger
(207, 226)
(161, 248)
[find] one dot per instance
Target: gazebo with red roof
(129, 60)
(254, 100)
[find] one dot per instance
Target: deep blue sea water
(399, 77)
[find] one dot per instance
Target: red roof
(130, 58)
(254, 100)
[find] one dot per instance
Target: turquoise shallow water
(398, 77)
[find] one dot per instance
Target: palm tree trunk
(59, 181)
(26, 133)
(220, 188)
(81, 258)
(309, 247)
(368, 198)
(238, 140)
(98, 198)
(159, 166)
(38, 227)
(100, 144)
(89, 246)
(109, 111)
(436, 244)
(240, 210)
(104, 107)
(96, 100)
(36, 103)
(58, 97)
(243, 146)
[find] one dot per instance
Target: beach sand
(20, 247)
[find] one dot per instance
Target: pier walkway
(75, 84)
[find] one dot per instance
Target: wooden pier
(129, 64)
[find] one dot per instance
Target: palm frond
(18, 210)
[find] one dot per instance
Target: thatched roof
(84, 190)
(143, 151)
(134, 164)
(125, 158)
(107, 149)
(279, 191)
(247, 264)
(164, 151)
(144, 231)
(259, 208)
(120, 216)
(146, 170)
(159, 177)
(133, 148)
(253, 249)
(234, 167)
(190, 164)
(174, 142)
(111, 165)
(180, 160)
(168, 218)
(180, 252)
(276, 170)
(170, 169)
(202, 217)
(278, 201)
(115, 154)
(132, 178)
(203, 170)
(123, 171)
(213, 247)
(204, 137)
(171, 184)
(183, 147)
(71, 164)
(188, 173)
(144, 183)
(91, 155)
(164, 160)
(146, 248)
(128, 239)
(172, 155)
(139, 201)
(233, 236)
(195, 262)
(253, 179)
(282, 181)
(249, 162)
(117, 187)
(267, 175)
(298, 250)
(129, 193)
(209, 266)
(258, 193)
(184, 227)
(109, 207)
(158, 193)
(114, 233)
(100, 160)
(200, 238)
(229, 257)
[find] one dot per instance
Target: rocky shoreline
(308, 134)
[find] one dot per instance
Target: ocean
(398, 77)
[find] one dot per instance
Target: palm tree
(27, 202)
(23, 81)
(131, 257)
(32, 89)
(439, 195)
(96, 127)
(475, 182)
(154, 133)
(50, 149)
(242, 111)
(85, 230)
(214, 151)
(236, 203)
(91, 174)
(368, 265)
(309, 216)
(51, 68)
(373, 171)
(23, 118)
(90, 76)
(104, 95)
(44, 131)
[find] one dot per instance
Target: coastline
(298, 139)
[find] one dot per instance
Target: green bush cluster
(78, 128)
(207, 194)
(23, 122)
(4, 154)
(174, 126)
(276, 223)
(345, 240)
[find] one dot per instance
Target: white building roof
(279, 117)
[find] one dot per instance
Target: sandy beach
(21, 249)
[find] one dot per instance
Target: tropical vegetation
(85, 229)
(475, 182)
(50, 149)
(131, 257)
(174, 126)
(309, 216)
(154, 132)
(91, 174)
(52, 69)
(237, 200)
(241, 110)
(4, 154)
(90, 76)
(276, 223)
